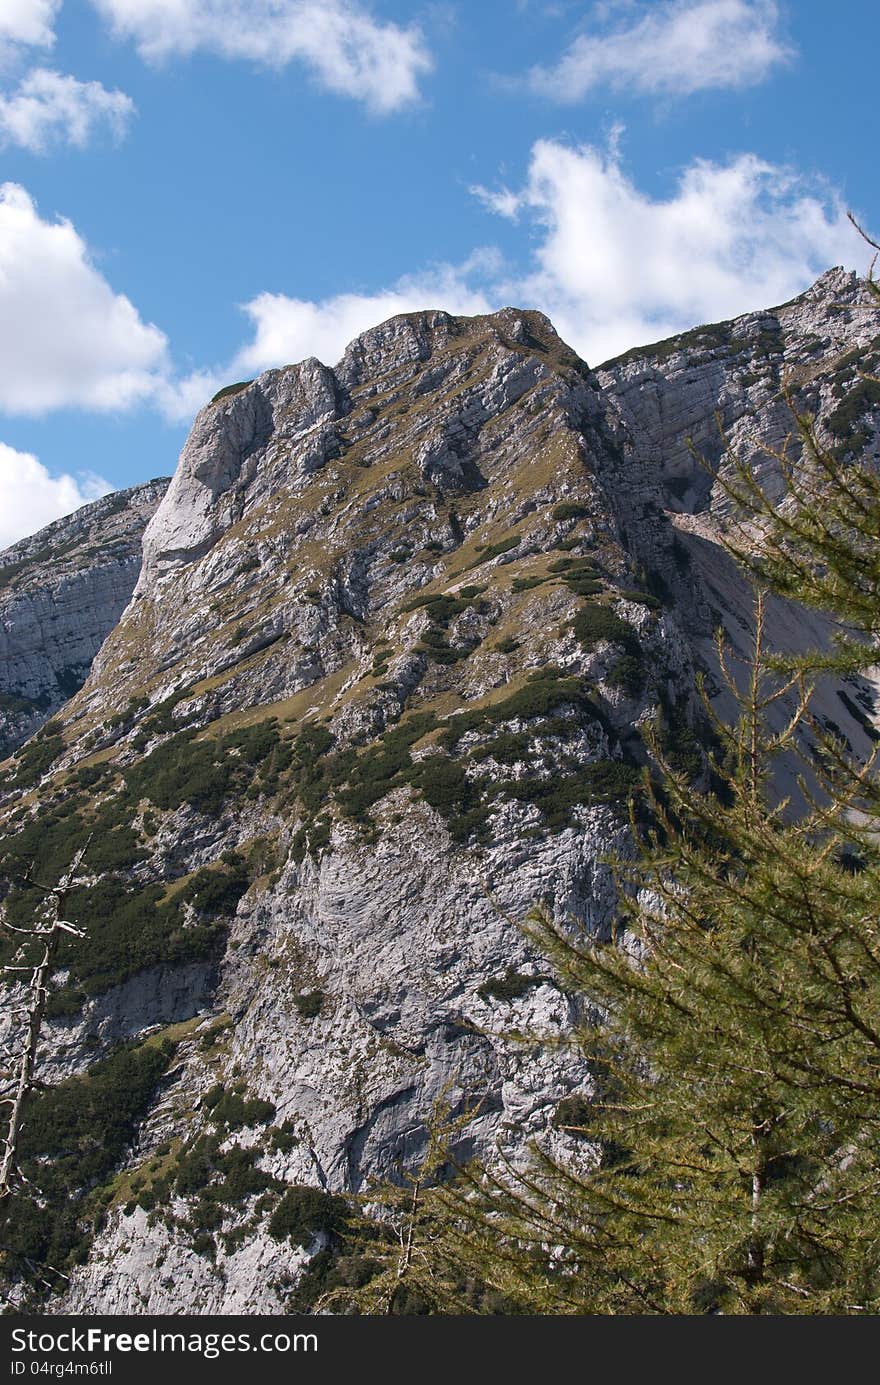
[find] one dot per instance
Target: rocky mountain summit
(383, 684)
(61, 593)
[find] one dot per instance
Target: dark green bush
(627, 673)
(440, 608)
(204, 773)
(230, 1110)
(37, 756)
(309, 1004)
(585, 586)
(304, 1213)
(506, 749)
(510, 986)
(567, 510)
(129, 930)
(161, 720)
(229, 390)
(594, 624)
(495, 550)
(283, 1137)
(679, 742)
(90, 775)
(573, 1111)
(182, 771)
(644, 598)
(74, 1137)
(217, 892)
(603, 781)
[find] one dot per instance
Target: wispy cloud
(672, 47)
(288, 329)
(48, 108)
(345, 48)
(29, 23)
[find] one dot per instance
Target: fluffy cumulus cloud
(27, 22)
(347, 50)
(66, 339)
(672, 46)
(615, 267)
(48, 108)
(30, 497)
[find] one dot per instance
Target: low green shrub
(573, 1114)
(510, 986)
(74, 1137)
(628, 674)
(229, 390)
(568, 509)
(230, 1110)
(309, 1004)
(305, 1213)
(594, 624)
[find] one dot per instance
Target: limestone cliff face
(686, 407)
(61, 593)
(379, 690)
(687, 403)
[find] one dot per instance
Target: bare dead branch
(23, 1080)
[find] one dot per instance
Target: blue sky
(196, 190)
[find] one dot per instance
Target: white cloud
(27, 22)
(346, 49)
(615, 268)
(501, 201)
(30, 497)
(180, 398)
(66, 339)
(673, 46)
(612, 266)
(49, 108)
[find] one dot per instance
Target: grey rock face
(61, 593)
(389, 567)
(687, 405)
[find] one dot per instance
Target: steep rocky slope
(382, 685)
(689, 405)
(61, 593)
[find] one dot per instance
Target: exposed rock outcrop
(61, 593)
